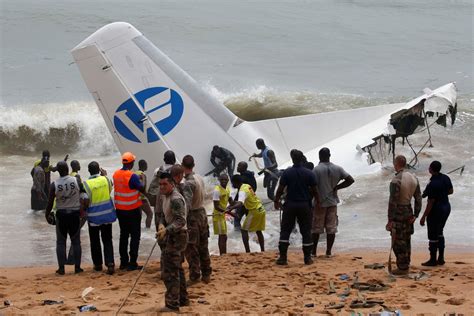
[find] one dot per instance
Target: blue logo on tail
(163, 107)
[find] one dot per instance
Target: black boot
(433, 249)
(307, 254)
(283, 259)
(441, 251)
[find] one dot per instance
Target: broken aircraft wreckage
(418, 115)
(150, 105)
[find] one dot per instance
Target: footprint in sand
(455, 301)
(65, 308)
(428, 300)
(459, 262)
(434, 290)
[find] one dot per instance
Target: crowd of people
(307, 195)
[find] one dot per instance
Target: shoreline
(252, 283)
(418, 249)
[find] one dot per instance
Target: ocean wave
(59, 127)
(262, 102)
(79, 127)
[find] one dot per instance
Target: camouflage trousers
(401, 236)
(172, 272)
(197, 251)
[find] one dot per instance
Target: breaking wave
(262, 102)
(60, 127)
(79, 126)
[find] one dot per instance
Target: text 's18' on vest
(101, 209)
(125, 198)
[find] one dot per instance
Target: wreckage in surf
(150, 105)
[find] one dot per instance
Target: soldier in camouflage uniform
(152, 194)
(197, 251)
(403, 187)
(173, 237)
(177, 174)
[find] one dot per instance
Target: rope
(138, 277)
(462, 170)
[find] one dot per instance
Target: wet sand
(252, 283)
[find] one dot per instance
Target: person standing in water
(255, 219)
(146, 208)
(220, 198)
(270, 178)
(39, 199)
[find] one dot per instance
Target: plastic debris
(87, 308)
(374, 266)
(52, 302)
(309, 305)
(332, 288)
(7, 303)
(421, 276)
(85, 292)
(375, 287)
(344, 277)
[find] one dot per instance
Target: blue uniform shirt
(438, 188)
(298, 180)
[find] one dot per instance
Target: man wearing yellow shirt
(255, 219)
(220, 197)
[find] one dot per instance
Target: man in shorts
(255, 219)
(220, 198)
(328, 182)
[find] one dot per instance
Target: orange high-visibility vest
(124, 197)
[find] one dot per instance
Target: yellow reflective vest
(101, 209)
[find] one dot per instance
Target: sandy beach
(253, 284)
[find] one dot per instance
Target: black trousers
(270, 182)
(95, 234)
(296, 212)
(68, 223)
(436, 221)
(130, 227)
